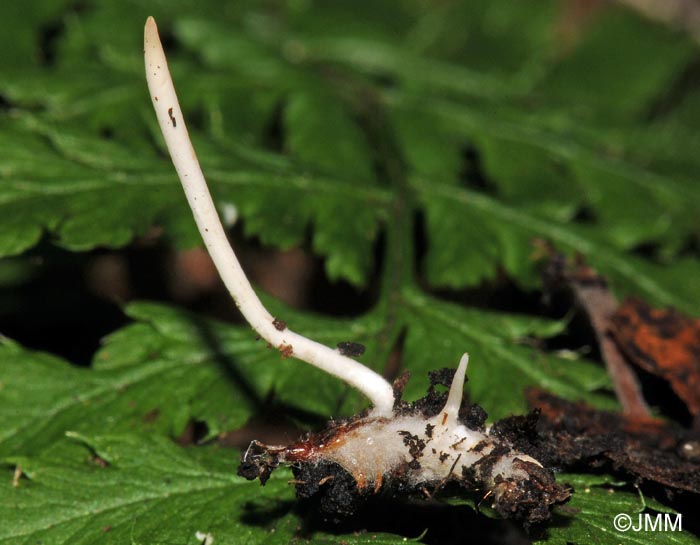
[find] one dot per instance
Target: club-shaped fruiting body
(391, 443)
(275, 332)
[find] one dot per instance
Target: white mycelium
(441, 445)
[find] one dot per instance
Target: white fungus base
(378, 446)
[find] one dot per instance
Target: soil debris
(351, 349)
(574, 435)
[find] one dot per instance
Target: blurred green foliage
(333, 124)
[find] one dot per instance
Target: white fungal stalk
(411, 446)
(274, 331)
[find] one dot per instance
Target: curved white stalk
(275, 332)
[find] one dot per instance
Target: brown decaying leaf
(663, 342)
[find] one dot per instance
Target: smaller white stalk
(454, 398)
(274, 331)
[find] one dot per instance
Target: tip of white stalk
(151, 24)
(151, 38)
(151, 41)
(454, 399)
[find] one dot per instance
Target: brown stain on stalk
(280, 325)
(287, 350)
